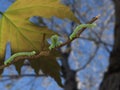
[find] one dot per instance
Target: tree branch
(46, 53)
(24, 75)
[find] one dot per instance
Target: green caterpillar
(79, 27)
(55, 42)
(19, 54)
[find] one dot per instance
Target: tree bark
(111, 80)
(68, 74)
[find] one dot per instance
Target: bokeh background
(89, 54)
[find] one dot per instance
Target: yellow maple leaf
(22, 34)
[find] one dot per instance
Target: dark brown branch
(9, 77)
(80, 31)
(46, 53)
(42, 53)
(24, 75)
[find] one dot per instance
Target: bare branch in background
(89, 61)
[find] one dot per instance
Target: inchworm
(19, 54)
(79, 27)
(55, 42)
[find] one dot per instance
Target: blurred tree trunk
(111, 80)
(69, 75)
